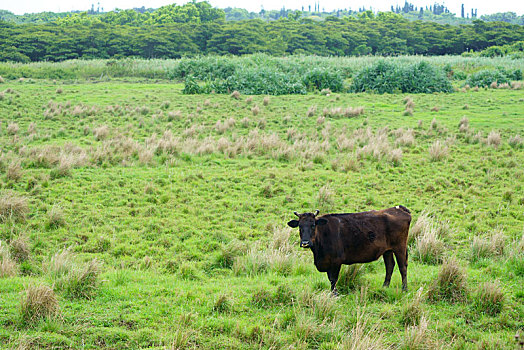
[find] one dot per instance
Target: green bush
(260, 81)
(381, 78)
(487, 76)
(388, 77)
(320, 79)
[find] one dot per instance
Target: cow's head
(306, 224)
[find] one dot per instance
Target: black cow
(337, 239)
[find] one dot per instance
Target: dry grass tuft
(434, 124)
(38, 302)
(266, 101)
(450, 284)
(80, 281)
(14, 171)
(516, 141)
(464, 124)
(362, 337)
(325, 198)
(412, 312)
(404, 137)
(60, 264)
(55, 217)
(12, 206)
(311, 111)
(494, 85)
(419, 337)
(255, 110)
(435, 109)
(493, 245)
(20, 250)
(12, 129)
(235, 94)
(249, 100)
(438, 151)
(517, 85)
(8, 267)
(429, 247)
(2, 80)
(409, 104)
(423, 224)
(494, 139)
(101, 133)
(490, 298)
(408, 112)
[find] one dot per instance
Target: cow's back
(365, 236)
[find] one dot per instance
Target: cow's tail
(403, 208)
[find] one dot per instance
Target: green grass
(168, 216)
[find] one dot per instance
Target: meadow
(135, 216)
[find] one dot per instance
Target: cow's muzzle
(305, 244)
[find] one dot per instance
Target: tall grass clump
(429, 248)
(438, 151)
(350, 278)
(450, 284)
(8, 267)
(12, 207)
(418, 337)
(37, 302)
(489, 298)
(412, 312)
(390, 77)
(485, 247)
(80, 281)
(19, 248)
(362, 336)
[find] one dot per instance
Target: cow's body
(337, 239)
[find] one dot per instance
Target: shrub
(322, 78)
(489, 298)
(12, 206)
(387, 77)
(37, 302)
(486, 77)
(260, 81)
(450, 284)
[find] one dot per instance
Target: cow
(337, 239)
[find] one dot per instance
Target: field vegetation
(133, 215)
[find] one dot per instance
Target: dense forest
(197, 28)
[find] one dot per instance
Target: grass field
(158, 220)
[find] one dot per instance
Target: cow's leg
(333, 278)
(389, 260)
(402, 261)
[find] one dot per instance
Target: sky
(484, 6)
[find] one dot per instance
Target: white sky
(483, 6)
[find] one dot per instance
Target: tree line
(191, 33)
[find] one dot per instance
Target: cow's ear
(293, 223)
(320, 222)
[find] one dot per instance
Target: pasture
(158, 220)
